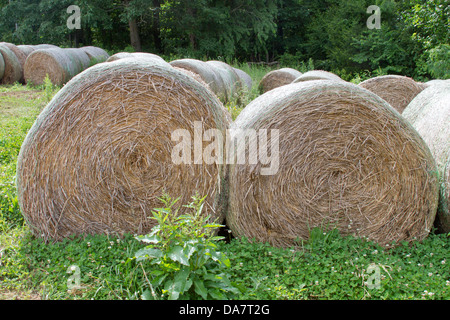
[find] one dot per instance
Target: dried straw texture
(317, 75)
(19, 54)
(79, 57)
(206, 72)
(347, 160)
(99, 155)
(135, 55)
(278, 78)
(437, 81)
(398, 91)
(245, 78)
(60, 65)
(96, 54)
(429, 113)
(13, 70)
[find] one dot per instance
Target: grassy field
(327, 266)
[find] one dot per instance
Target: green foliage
(184, 250)
(439, 61)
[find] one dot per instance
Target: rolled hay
(44, 46)
(245, 78)
(278, 78)
(317, 75)
(206, 72)
(79, 57)
(429, 113)
(231, 80)
(437, 81)
(135, 55)
(26, 49)
(60, 64)
(103, 151)
(95, 54)
(398, 91)
(2, 67)
(343, 159)
(13, 70)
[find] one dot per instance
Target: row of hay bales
(101, 153)
(32, 63)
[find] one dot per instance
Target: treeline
(332, 34)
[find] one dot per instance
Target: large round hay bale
(345, 160)
(245, 79)
(79, 57)
(206, 72)
(135, 55)
(13, 70)
(26, 49)
(278, 78)
(398, 91)
(230, 78)
(317, 75)
(96, 54)
(104, 150)
(2, 67)
(19, 54)
(44, 46)
(60, 65)
(429, 113)
(436, 81)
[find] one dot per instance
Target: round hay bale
(2, 67)
(345, 160)
(135, 55)
(107, 140)
(206, 72)
(13, 70)
(244, 77)
(230, 79)
(437, 81)
(26, 49)
(79, 57)
(429, 113)
(60, 65)
(398, 91)
(317, 75)
(19, 54)
(44, 46)
(278, 78)
(96, 54)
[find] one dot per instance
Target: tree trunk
(134, 35)
(156, 26)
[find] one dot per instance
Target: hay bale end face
(346, 160)
(278, 78)
(398, 91)
(96, 54)
(60, 65)
(317, 75)
(13, 70)
(429, 113)
(106, 138)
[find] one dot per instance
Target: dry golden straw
(398, 91)
(13, 70)
(429, 113)
(100, 154)
(347, 160)
(278, 78)
(59, 64)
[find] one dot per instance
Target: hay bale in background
(13, 70)
(429, 113)
(2, 67)
(26, 49)
(245, 78)
(96, 54)
(317, 75)
(135, 55)
(106, 139)
(44, 46)
(398, 91)
(347, 160)
(230, 78)
(206, 72)
(278, 78)
(79, 57)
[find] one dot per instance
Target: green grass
(326, 267)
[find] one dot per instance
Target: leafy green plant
(184, 252)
